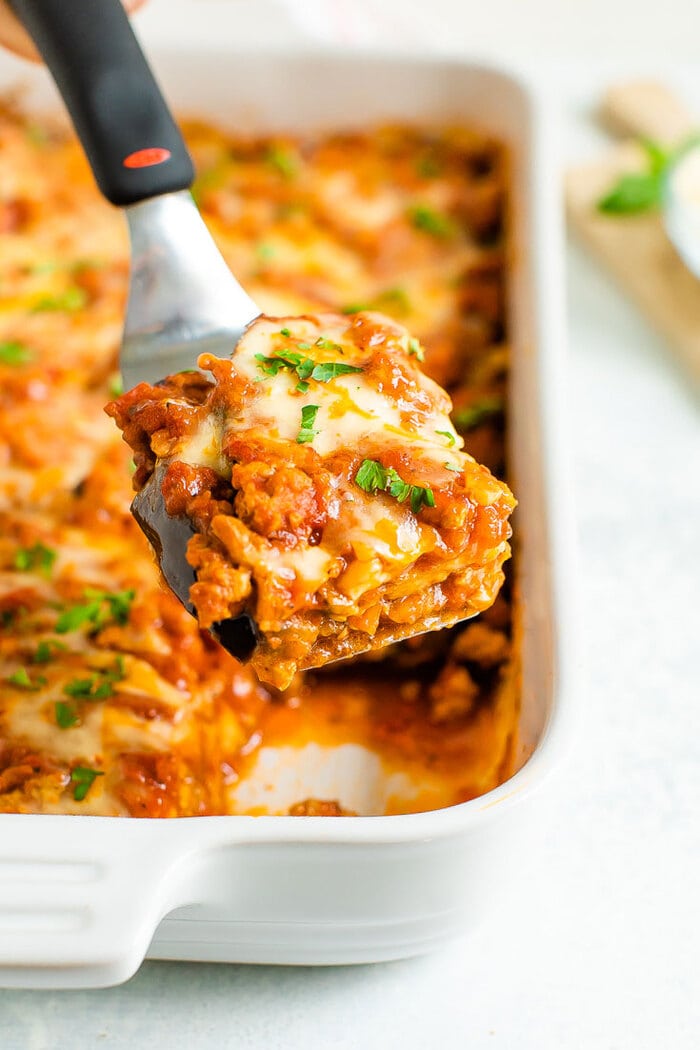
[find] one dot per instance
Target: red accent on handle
(146, 158)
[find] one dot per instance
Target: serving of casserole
(416, 201)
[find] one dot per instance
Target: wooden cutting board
(635, 248)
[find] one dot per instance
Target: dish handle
(86, 922)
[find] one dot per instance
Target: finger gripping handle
(135, 149)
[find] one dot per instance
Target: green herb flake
(283, 161)
(328, 344)
(416, 350)
(446, 434)
(396, 486)
(331, 369)
(36, 557)
(15, 354)
(632, 194)
(479, 412)
(452, 466)
(82, 778)
(430, 221)
(36, 134)
(212, 178)
(46, 650)
(95, 687)
(304, 367)
(286, 333)
(308, 418)
(428, 166)
(420, 496)
(265, 252)
(69, 301)
(101, 608)
(642, 191)
(391, 301)
(21, 680)
(373, 477)
(116, 385)
(99, 685)
(45, 266)
(65, 714)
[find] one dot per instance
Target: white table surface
(597, 945)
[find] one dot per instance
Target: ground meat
(280, 502)
(453, 695)
(481, 644)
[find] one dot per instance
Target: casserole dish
(83, 901)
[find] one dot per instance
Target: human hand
(13, 36)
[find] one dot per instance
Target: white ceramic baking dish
(84, 899)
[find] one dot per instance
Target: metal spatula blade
(183, 299)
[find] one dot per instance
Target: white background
(597, 945)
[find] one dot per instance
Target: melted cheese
(349, 407)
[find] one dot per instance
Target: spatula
(183, 299)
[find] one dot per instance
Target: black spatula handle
(134, 147)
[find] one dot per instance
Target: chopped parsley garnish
(99, 685)
(640, 191)
(291, 360)
(66, 715)
(632, 194)
(14, 353)
(72, 299)
(286, 333)
(283, 161)
(373, 477)
(46, 650)
(305, 368)
(328, 344)
(21, 680)
(308, 418)
(392, 301)
(35, 557)
(430, 221)
(82, 778)
(451, 466)
(446, 434)
(416, 350)
(36, 134)
(428, 166)
(330, 369)
(116, 385)
(101, 608)
(212, 178)
(473, 415)
(420, 496)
